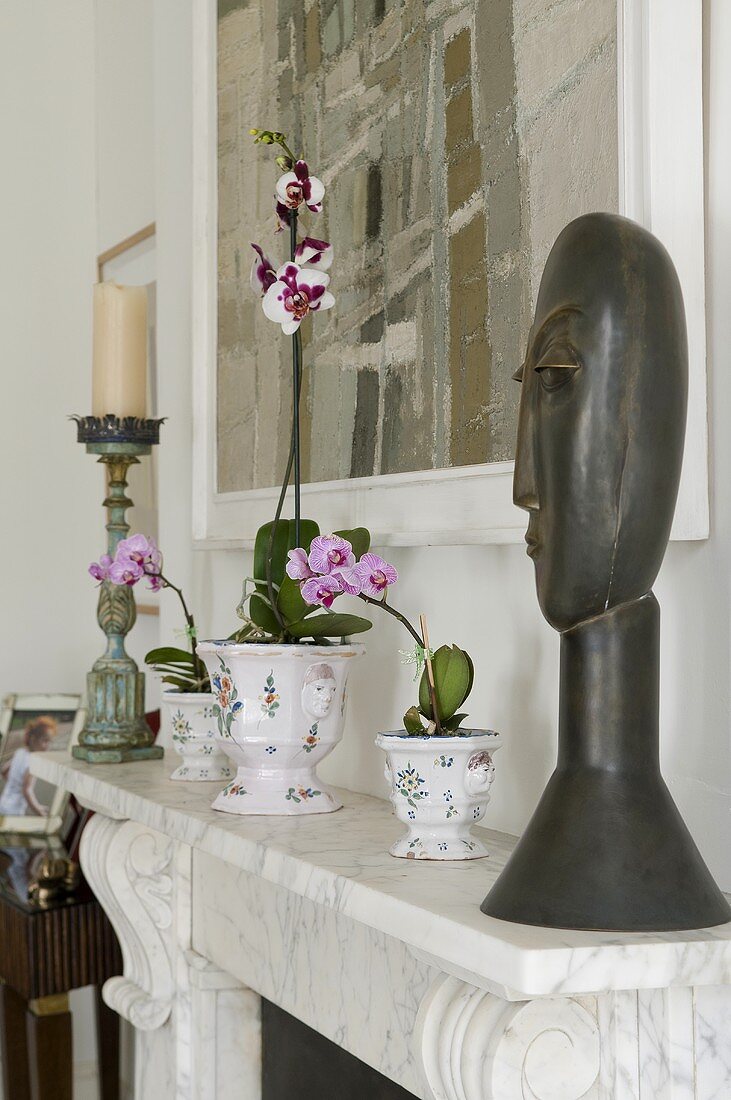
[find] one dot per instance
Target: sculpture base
(96, 754)
(607, 851)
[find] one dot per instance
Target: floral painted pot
(280, 710)
(440, 787)
(194, 729)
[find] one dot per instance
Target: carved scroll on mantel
(476, 1046)
(129, 868)
(638, 1044)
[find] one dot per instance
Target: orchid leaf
(329, 626)
(167, 655)
(453, 674)
(412, 721)
(454, 722)
(284, 541)
(261, 613)
(290, 603)
(359, 538)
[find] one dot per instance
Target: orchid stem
(396, 615)
(198, 666)
(296, 387)
(430, 674)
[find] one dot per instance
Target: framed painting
(455, 141)
(28, 724)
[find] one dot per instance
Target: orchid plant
(291, 595)
(335, 566)
(271, 607)
(137, 558)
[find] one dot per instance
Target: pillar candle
(119, 373)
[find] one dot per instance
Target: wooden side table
(44, 954)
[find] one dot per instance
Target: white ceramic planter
(193, 726)
(440, 787)
(280, 710)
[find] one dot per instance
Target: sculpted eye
(556, 367)
(518, 375)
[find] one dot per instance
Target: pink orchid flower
(349, 581)
(125, 572)
(297, 567)
(100, 569)
(311, 252)
(375, 575)
(298, 187)
(321, 590)
(330, 553)
(141, 551)
(297, 292)
(262, 272)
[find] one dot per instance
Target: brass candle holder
(116, 730)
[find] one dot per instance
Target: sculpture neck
(610, 696)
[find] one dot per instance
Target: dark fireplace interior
(298, 1061)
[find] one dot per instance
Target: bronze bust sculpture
(600, 447)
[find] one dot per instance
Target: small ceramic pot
(280, 709)
(194, 736)
(440, 787)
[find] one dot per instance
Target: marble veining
(341, 862)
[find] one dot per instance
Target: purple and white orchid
(331, 559)
(141, 551)
(375, 575)
(262, 272)
(296, 292)
(311, 252)
(138, 558)
(100, 569)
(298, 567)
(329, 553)
(321, 590)
(298, 187)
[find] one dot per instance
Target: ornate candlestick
(116, 730)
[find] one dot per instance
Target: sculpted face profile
(599, 454)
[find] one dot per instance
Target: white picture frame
(15, 711)
(660, 128)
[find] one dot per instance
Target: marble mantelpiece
(392, 960)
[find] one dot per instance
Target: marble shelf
(341, 862)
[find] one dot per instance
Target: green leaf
(290, 603)
(166, 655)
(262, 614)
(284, 541)
(329, 626)
(178, 682)
(359, 538)
(454, 722)
(412, 721)
(452, 680)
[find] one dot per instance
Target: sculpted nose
(525, 492)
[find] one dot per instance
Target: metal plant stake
(116, 730)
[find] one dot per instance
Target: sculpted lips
(531, 537)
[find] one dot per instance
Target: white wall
(484, 597)
(50, 490)
(54, 70)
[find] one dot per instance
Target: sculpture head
(602, 418)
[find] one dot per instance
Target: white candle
(119, 372)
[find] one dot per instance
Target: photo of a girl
(18, 795)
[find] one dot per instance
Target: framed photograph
(445, 189)
(35, 723)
